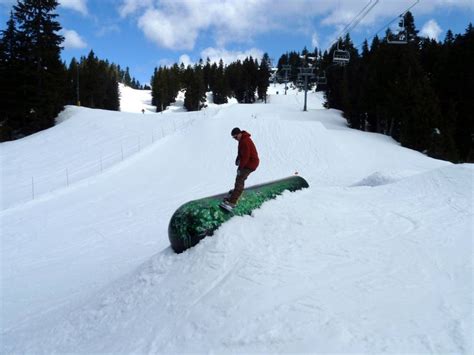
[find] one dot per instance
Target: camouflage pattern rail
(200, 218)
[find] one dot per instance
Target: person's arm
(244, 154)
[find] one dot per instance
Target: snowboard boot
(227, 205)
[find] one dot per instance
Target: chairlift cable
(349, 24)
(365, 14)
(391, 21)
(356, 20)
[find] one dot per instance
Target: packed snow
(375, 257)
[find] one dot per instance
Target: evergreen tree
(262, 77)
(32, 32)
(195, 89)
(127, 80)
(220, 86)
(249, 79)
(237, 84)
(207, 77)
(166, 83)
(93, 83)
(409, 92)
(10, 111)
(72, 82)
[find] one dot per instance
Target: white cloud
(178, 24)
(227, 56)
(185, 59)
(314, 40)
(129, 7)
(72, 40)
(431, 30)
(104, 30)
(167, 31)
(216, 54)
(165, 62)
(76, 5)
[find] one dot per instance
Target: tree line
(125, 78)
(35, 84)
(420, 93)
(246, 81)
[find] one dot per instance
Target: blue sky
(143, 34)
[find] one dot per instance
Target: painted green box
(200, 218)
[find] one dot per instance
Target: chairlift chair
(401, 36)
(321, 79)
(341, 56)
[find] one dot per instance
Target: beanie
(235, 131)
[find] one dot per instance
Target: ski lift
(341, 56)
(400, 37)
(321, 79)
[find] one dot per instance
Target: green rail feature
(198, 219)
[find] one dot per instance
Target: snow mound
(378, 178)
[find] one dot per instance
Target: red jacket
(248, 156)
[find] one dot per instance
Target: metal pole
(77, 87)
(305, 91)
(286, 68)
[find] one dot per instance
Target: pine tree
(127, 80)
(262, 77)
(234, 76)
(40, 74)
(93, 83)
(111, 99)
(195, 89)
(72, 94)
(410, 92)
(220, 86)
(10, 112)
(249, 78)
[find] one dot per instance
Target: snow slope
(135, 101)
(375, 257)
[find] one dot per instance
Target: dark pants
(239, 185)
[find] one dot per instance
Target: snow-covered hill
(376, 257)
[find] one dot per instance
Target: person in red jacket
(247, 162)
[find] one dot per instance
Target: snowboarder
(247, 162)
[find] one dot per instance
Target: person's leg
(239, 185)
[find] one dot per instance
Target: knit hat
(235, 131)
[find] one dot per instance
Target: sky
(144, 34)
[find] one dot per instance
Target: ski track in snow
(376, 257)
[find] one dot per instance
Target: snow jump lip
(197, 219)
